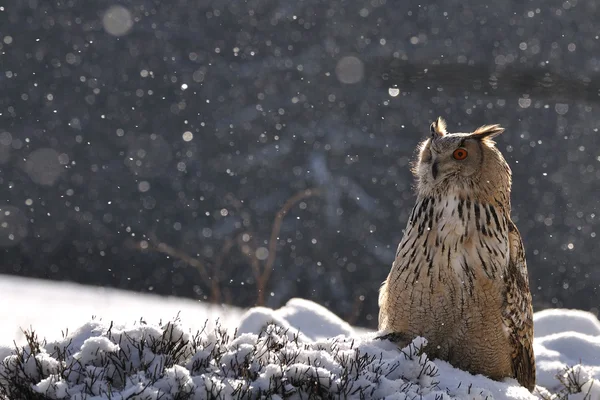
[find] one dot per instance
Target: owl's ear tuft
(438, 127)
(488, 131)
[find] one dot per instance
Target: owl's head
(466, 162)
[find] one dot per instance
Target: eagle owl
(460, 278)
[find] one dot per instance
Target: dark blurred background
(151, 145)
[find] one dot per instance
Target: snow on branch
(166, 362)
(266, 358)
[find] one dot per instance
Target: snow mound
(258, 318)
(301, 316)
(567, 347)
(551, 321)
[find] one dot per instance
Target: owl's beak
(434, 169)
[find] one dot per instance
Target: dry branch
(262, 273)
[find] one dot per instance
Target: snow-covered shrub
(165, 362)
(270, 361)
(574, 383)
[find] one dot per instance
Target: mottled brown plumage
(460, 276)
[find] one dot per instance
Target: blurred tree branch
(245, 241)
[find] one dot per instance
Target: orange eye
(460, 154)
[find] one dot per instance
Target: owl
(459, 278)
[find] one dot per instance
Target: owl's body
(460, 276)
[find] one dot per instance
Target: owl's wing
(518, 312)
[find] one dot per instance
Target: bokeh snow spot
(350, 69)
(13, 226)
(117, 21)
(43, 166)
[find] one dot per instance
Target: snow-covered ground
(52, 307)
(313, 343)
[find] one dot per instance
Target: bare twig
(154, 244)
(268, 267)
(164, 248)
